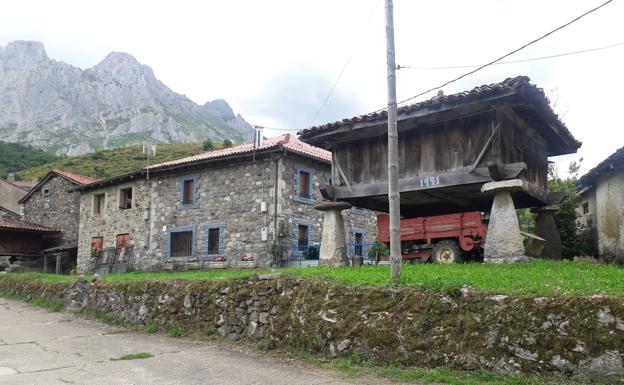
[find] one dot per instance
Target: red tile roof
(14, 224)
(288, 142)
(80, 179)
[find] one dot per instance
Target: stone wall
(113, 221)
(610, 215)
(579, 337)
(9, 195)
(230, 196)
(60, 209)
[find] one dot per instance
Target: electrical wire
(344, 68)
(504, 56)
(400, 67)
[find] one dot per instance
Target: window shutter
(196, 189)
(221, 239)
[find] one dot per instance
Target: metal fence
(307, 255)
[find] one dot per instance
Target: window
(586, 208)
(303, 184)
(97, 243)
(214, 238)
(122, 241)
(189, 192)
(46, 192)
(181, 242)
(125, 198)
(301, 236)
(303, 232)
(358, 240)
(99, 203)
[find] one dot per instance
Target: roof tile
(9, 223)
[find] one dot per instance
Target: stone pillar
(333, 244)
(504, 241)
(546, 228)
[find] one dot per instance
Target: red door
(121, 241)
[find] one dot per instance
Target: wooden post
(58, 263)
(393, 150)
(45, 263)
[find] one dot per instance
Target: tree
(227, 143)
(208, 145)
(576, 239)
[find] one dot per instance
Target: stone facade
(55, 206)
(9, 195)
(605, 211)
(247, 200)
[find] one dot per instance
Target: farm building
(449, 147)
(601, 205)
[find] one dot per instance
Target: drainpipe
(275, 197)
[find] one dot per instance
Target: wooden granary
(449, 146)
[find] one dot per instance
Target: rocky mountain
(68, 110)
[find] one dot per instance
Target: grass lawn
(538, 277)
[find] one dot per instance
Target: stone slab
(510, 185)
(333, 206)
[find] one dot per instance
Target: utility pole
(393, 150)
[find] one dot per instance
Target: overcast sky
(275, 61)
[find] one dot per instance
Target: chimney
(259, 138)
(11, 177)
(286, 139)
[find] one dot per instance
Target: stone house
(252, 200)
(601, 193)
(53, 203)
(11, 191)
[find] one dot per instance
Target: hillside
(15, 157)
(107, 163)
(68, 110)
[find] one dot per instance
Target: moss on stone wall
(581, 337)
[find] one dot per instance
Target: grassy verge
(54, 305)
(540, 278)
(357, 366)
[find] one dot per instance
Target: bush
(207, 145)
(227, 143)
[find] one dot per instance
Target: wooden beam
(446, 197)
(485, 148)
(433, 181)
(343, 175)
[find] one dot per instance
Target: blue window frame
(302, 235)
(358, 211)
(214, 239)
(185, 182)
(358, 240)
(176, 233)
(301, 185)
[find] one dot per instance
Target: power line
(505, 55)
(344, 68)
(514, 61)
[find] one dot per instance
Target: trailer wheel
(446, 251)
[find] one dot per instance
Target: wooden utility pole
(393, 150)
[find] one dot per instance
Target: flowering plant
(220, 258)
(248, 258)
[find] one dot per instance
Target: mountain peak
(120, 57)
(22, 53)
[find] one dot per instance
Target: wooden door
(121, 241)
(97, 243)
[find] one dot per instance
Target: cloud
(294, 95)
